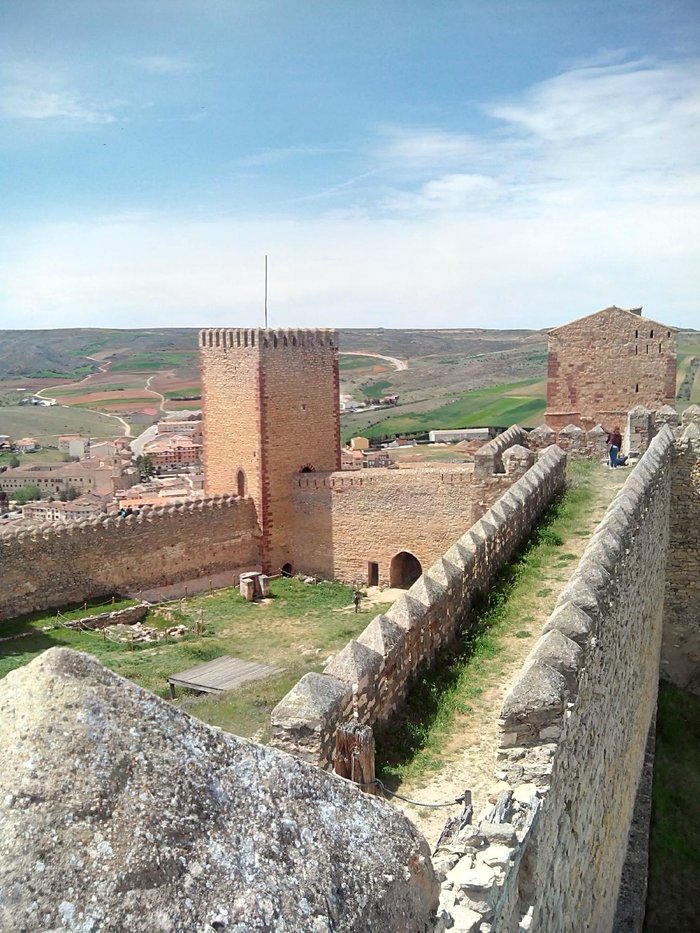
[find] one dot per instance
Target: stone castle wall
(603, 365)
(574, 727)
(345, 521)
(270, 409)
(56, 565)
(370, 677)
(680, 656)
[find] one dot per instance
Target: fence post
(354, 755)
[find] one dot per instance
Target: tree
(14, 461)
(27, 494)
(145, 466)
(68, 494)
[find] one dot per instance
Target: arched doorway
(404, 570)
(240, 483)
(287, 570)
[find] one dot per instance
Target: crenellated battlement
(241, 338)
(54, 565)
(12, 534)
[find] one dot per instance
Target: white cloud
(585, 193)
(426, 147)
(18, 102)
(455, 192)
(164, 64)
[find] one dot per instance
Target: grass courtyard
(297, 629)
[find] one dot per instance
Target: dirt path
(102, 368)
(396, 363)
(148, 388)
(469, 758)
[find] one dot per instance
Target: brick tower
(602, 365)
(270, 411)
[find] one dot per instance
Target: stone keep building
(270, 411)
(271, 429)
(602, 365)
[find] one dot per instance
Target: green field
(348, 362)
(45, 455)
(496, 405)
(296, 630)
(127, 402)
(67, 391)
(188, 390)
(45, 424)
(376, 389)
(78, 373)
(153, 362)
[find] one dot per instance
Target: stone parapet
(574, 725)
(488, 459)
(54, 565)
(377, 667)
(242, 338)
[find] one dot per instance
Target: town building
(74, 445)
(351, 459)
(103, 477)
(89, 505)
(373, 459)
(460, 434)
(603, 365)
(26, 445)
(359, 443)
(188, 427)
(173, 453)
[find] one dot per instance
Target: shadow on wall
(404, 570)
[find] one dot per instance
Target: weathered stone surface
(570, 621)
(356, 663)
(560, 653)
(537, 698)
(119, 812)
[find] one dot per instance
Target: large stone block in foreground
(119, 812)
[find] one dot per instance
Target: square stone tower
(602, 365)
(271, 410)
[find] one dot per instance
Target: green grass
(376, 389)
(361, 362)
(416, 741)
(674, 843)
(154, 361)
(47, 423)
(45, 455)
(135, 401)
(78, 373)
(479, 407)
(188, 390)
(67, 391)
(296, 631)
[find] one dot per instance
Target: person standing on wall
(614, 444)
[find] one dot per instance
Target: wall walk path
(469, 756)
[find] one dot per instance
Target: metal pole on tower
(265, 291)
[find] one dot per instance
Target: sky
(403, 163)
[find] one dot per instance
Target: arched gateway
(404, 570)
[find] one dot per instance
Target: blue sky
(416, 164)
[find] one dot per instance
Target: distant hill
(67, 353)
(76, 351)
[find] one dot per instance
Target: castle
(272, 432)
(576, 729)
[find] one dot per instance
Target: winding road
(103, 367)
(396, 363)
